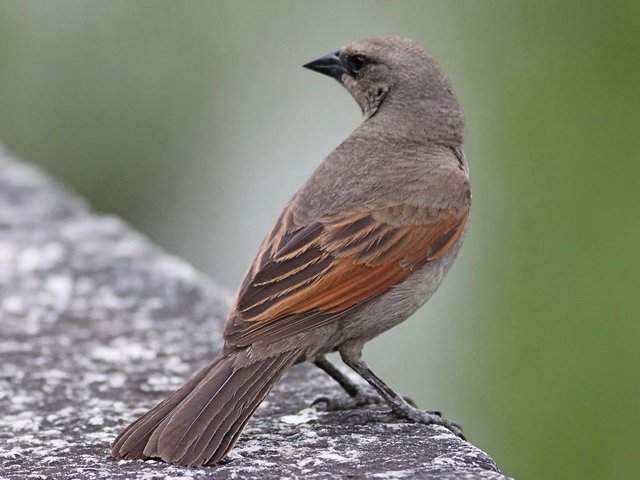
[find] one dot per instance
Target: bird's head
(398, 76)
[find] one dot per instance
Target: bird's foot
(429, 417)
(408, 412)
(363, 398)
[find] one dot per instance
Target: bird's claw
(344, 403)
(368, 415)
(362, 399)
(430, 417)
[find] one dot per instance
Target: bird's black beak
(328, 65)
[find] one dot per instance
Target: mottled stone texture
(97, 325)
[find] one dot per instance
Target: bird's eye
(356, 63)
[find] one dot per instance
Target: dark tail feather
(131, 442)
(201, 422)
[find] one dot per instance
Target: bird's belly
(396, 305)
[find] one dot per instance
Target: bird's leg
(399, 407)
(334, 372)
(358, 396)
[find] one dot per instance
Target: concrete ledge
(97, 325)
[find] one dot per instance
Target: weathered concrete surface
(97, 325)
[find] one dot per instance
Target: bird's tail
(199, 423)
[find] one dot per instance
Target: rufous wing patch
(323, 269)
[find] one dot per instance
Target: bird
(358, 248)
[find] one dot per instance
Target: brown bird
(365, 242)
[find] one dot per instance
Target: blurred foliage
(194, 121)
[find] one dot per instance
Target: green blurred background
(194, 121)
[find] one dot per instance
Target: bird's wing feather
(307, 276)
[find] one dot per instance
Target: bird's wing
(308, 276)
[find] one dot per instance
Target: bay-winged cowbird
(365, 241)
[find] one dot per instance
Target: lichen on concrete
(97, 325)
